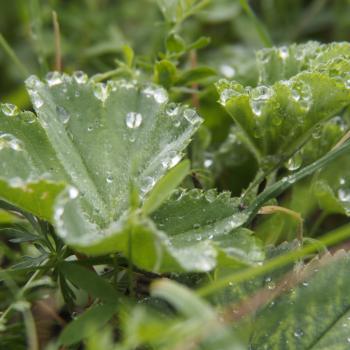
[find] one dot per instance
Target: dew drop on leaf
(63, 115)
(53, 78)
(298, 333)
(80, 77)
(147, 184)
(101, 91)
(172, 109)
(9, 109)
(159, 94)
(109, 178)
(9, 141)
(317, 132)
(283, 52)
(294, 162)
(191, 116)
(133, 120)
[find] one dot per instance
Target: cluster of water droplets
(228, 90)
(33, 86)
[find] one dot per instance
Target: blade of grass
(329, 239)
(12, 55)
(58, 54)
(260, 28)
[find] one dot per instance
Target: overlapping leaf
(300, 87)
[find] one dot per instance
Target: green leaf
(103, 139)
(87, 323)
(332, 187)
(88, 280)
(205, 217)
(31, 177)
(174, 43)
(279, 118)
(165, 73)
(312, 315)
(165, 186)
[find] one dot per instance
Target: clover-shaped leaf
(299, 88)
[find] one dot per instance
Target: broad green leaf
(102, 139)
(165, 186)
(88, 280)
(87, 323)
(279, 118)
(312, 315)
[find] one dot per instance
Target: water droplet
(172, 109)
(80, 77)
(261, 92)
(101, 91)
(283, 52)
(348, 340)
(227, 70)
(298, 333)
(133, 120)
(191, 116)
(226, 95)
(109, 178)
(53, 78)
(9, 141)
(344, 195)
(317, 132)
(305, 284)
(73, 192)
(147, 184)
(210, 196)
(196, 227)
(158, 93)
(295, 162)
(208, 161)
(90, 128)
(36, 99)
(63, 115)
(9, 109)
(257, 107)
(171, 160)
(33, 82)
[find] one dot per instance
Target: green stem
(280, 186)
(260, 28)
(32, 335)
(12, 55)
(249, 273)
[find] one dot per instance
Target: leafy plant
(180, 196)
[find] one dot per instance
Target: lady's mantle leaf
(305, 85)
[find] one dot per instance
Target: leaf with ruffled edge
(300, 87)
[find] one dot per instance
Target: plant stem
(58, 54)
